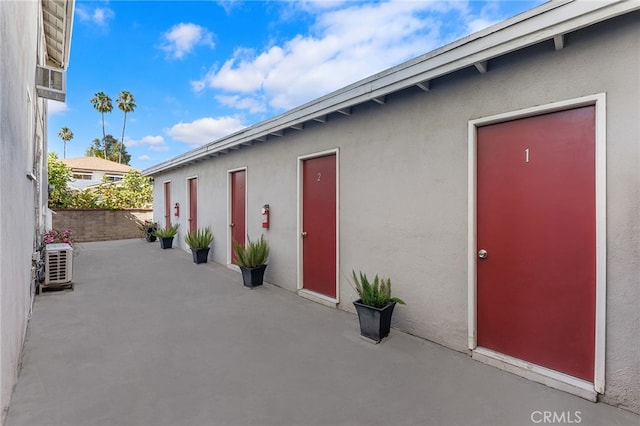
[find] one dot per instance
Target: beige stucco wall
(21, 220)
(404, 191)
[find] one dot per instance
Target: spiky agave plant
(167, 232)
(200, 239)
(253, 254)
(376, 293)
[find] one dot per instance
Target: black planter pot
(200, 255)
(253, 277)
(149, 235)
(375, 323)
(166, 243)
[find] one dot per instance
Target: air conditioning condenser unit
(58, 265)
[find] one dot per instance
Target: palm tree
(66, 135)
(102, 103)
(126, 103)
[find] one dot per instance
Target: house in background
(35, 38)
(495, 180)
(90, 171)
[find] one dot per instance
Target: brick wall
(101, 225)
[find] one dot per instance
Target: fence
(101, 225)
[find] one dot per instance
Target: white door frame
(549, 377)
(229, 211)
(317, 297)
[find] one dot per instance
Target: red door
(536, 220)
(193, 204)
(167, 204)
(238, 209)
(319, 225)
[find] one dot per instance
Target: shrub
(376, 293)
(167, 232)
(201, 238)
(254, 254)
(56, 237)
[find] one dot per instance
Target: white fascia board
(68, 25)
(534, 26)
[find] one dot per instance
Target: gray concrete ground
(149, 338)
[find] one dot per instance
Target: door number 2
(526, 155)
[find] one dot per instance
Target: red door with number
(193, 204)
(319, 225)
(536, 230)
(238, 209)
(167, 204)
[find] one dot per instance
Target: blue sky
(203, 69)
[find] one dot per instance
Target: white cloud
(228, 5)
(57, 108)
(489, 14)
(252, 104)
(204, 130)
(144, 158)
(479, 24)
(152, 140)
(153, 143)
(182, 38)
(347, 44)
(198, 86)
(348, 41)
(99, 16)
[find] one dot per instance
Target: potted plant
(148, 229)
(166, 235)
(252, 260)
(199, 242)
(375, 306)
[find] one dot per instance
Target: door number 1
(526, 155)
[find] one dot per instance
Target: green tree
(109, 195)
(102, 103)
(95, 149)
(137, 190)
(115, 150)
(66, 135)
(85, 199)
(126, 104)
(59, 176)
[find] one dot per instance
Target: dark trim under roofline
(547, 22)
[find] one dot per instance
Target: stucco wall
(404, 191)
(101, 225)
(21, 152)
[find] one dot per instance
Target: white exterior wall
(404, 187)
(22, 151)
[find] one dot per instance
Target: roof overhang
(57, 21)
(547, 22)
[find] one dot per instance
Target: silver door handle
(482, 254)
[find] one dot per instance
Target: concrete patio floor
(148, 338)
